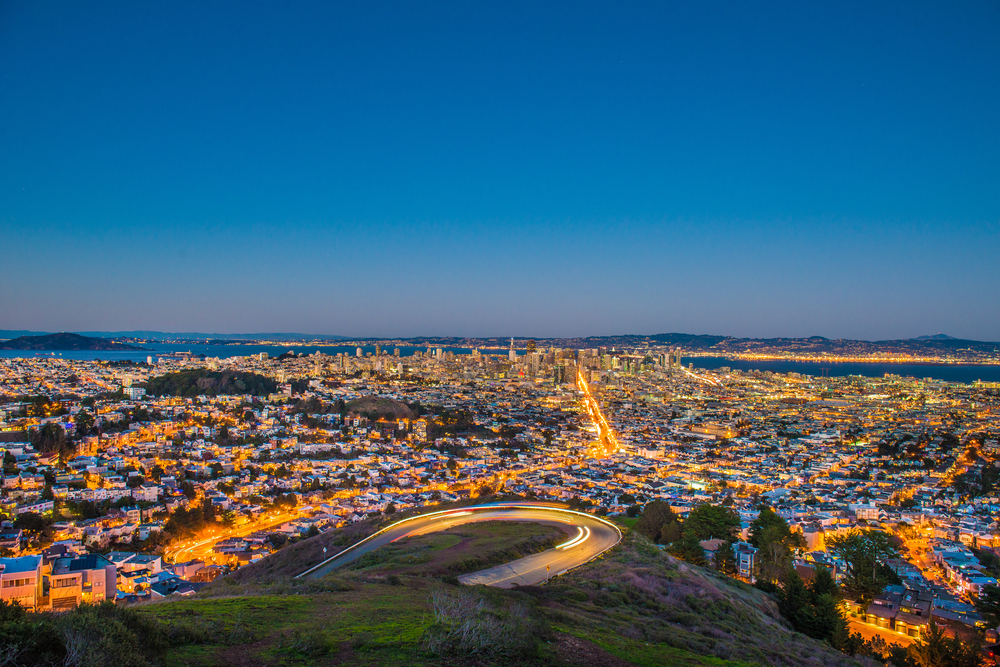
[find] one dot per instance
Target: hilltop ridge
(66, 342)
(636, 605)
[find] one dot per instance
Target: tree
(823, 583)
(9, 463)
(936, 650)
(767, 519)
(84, 422)
(208, 510)
(31, 521)
(655, 515)
(85, 509)
(687, 548)
(865, 552)
(670, 533)
(724, 559)
(775, 555)
(709, 521)
(812, 610)
(988, 604)
(51, 438)
(794, 601)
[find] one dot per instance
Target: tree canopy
(51, 438)
(655, 518)
(200, 382)
(711, 521)
(866, 552)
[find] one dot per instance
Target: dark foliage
(100, 635)
(210, 383)
(51, 438)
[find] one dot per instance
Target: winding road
(589, 537)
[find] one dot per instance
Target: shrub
(472, 623)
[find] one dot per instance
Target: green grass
(374, 624)
(637, 602)
(651, 655)
(460, 550)
(627, 521)
(635, 605)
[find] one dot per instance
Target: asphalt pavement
(588, 537)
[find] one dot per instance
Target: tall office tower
(359, 351)
(512, 355)
(559, 374)
(531, 346)
(395, 352)
(378, 350)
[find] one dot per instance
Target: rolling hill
(65, 342)
(635, 606)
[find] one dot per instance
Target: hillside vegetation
(635, 606)
(376, 407)
(402, 605)
(203, 382)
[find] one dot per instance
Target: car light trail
(606, 434)
(579, 539)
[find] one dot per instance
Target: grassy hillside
(638, 601)
(635, 606)
(460, 550)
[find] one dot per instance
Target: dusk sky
(530, 169)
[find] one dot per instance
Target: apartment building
(21, 581)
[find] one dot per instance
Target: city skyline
(338, 338)
(561, 333)
(563, 170)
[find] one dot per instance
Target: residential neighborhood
(135, 480)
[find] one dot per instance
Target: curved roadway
(588, 537)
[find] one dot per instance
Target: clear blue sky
(467, 168)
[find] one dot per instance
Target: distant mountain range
(936, 346)
(937, 336)
(163, 335)
(65, 341)
(666, 338)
